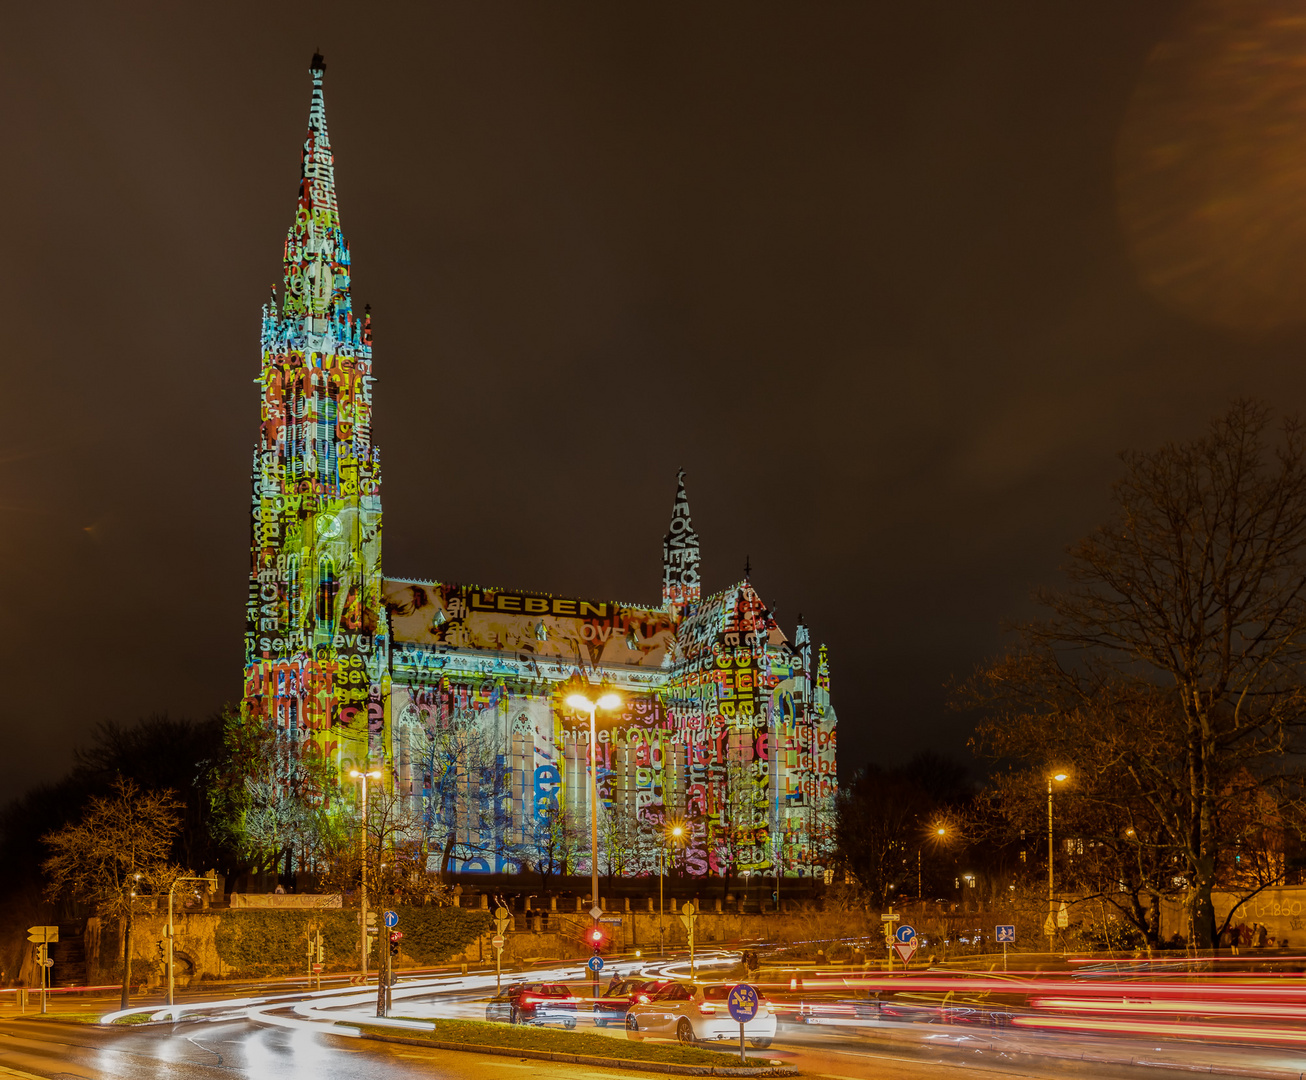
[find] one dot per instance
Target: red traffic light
(395, 935)
(596, 936)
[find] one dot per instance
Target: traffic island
(581, 1048)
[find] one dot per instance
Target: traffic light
(40, 955)
(596, 938)
(163, 950)
(395, 935)
(321, 950)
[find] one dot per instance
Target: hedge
(268, 942)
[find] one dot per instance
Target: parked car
(533, 1003)
(690, 1014)
(612, 1004)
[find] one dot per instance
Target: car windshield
(716, 993)
(559, 990)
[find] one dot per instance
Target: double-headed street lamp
(374, 774)
(1059, 777)
(581, 703)
(673, 833)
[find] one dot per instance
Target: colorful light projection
(724, 725)
(315, 633)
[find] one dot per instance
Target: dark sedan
(620, 995)
(533, 1003)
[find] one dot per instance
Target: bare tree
(557, 838)
(1169, 670)
(121, 841)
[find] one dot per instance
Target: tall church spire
(680, 580)
(316, 278)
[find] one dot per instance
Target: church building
(457, 692)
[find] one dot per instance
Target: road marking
(6, 1071)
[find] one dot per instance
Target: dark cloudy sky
(861, 268)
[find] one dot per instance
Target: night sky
(893, 283)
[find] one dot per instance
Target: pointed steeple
(317, 258)
(803, 647)
(680, 580)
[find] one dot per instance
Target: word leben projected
(458, 692)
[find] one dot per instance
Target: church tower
(315, 636)
(680, 581)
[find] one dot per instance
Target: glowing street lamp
(940, 831)
(374, 774)
(673, 833)
(1060, 778)
(581, 703)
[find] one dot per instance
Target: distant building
(457, 691)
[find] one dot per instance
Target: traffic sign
(905, 949)
(47, 962)
(47, 935)
(905, 933)
(392, 919)
(1049, 925)
(595, 964)
(893, 916)
(611, 918)
(317, 969)
(1063, 916)
(595, 912)
(1006, 934)
(688, 909)
(743, 1003)
(498, 941)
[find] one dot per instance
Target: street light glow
(609, 701)
(1060, 776)
(375, 774)
(580, 701)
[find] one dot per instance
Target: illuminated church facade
(457, 692)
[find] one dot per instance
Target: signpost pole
(45, 966)
(743, 1058)
(1004, 956)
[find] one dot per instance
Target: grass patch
(529, 1037)
(66, 1017)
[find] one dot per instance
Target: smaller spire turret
(680, 555)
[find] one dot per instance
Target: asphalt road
(209, 1050)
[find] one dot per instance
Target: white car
(692, 1014)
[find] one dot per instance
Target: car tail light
(528, 999)
(706, 1008)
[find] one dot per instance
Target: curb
(589, 1059)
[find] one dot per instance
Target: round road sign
(743, 1002)
(392, 919)
(688, 909)
(497, 941)
(595, 963)
(501, 913)
(905, 933)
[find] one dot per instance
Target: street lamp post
(1051, 923)
(675, 831)
(920, 892)
(581, 703)
(374, 774)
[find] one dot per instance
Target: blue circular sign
(905, 934)
(392, 919)
(595, 963)
(743, 1002)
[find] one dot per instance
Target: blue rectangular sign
(1006, 934)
